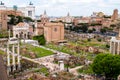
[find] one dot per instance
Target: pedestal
(61, 65)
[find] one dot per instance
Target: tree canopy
(40, 39)
(107, 65)
(16, 19)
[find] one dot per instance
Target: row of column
(13, 62)
(115, 47)
(23, 36)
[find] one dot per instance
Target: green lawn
(86, 70)
(40, 52)
(60, 48)
(1, 52)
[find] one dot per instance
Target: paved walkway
(48, 62)
(74, 70)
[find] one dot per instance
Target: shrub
(40, 39)
(99, 39)
(107, 46)
(89, 39)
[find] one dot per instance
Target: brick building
(53, 32)
(4, 17)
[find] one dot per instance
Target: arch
(25, 35)
(16, 35)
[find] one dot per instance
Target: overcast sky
(75, 7)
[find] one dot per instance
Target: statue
(15, 7)
(30, 3)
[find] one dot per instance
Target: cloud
(75, 7)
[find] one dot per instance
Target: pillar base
(14, 67)
(8, 70)
(19, 66)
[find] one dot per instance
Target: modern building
(29, 11)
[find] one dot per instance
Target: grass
(59, 48)
(40, 52)
(43, 70)
(1, 52)
(86, 70)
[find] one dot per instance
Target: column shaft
(118, 50)
(114, 51)
(8, 59)
(18, 56)
(110, 46)
(13, 57)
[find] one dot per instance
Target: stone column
(13, 57)
(111, 50)
(118, 48)
(23, 36)
(18, 56)
(26, 35)
(61, 65)
(119, 32)
(8, 59)
(114, 48)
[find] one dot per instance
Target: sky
(74, 7)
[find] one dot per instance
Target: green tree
(12, 20)
(84, 28)
(90, 31)
(107, 65)
(19, 19)
(103, 30)
(40, 39)
(94, 29)
(28, 19)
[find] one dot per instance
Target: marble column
(111, 46)
(8, 59)
(61, 65)
(23, 36)
(118, 48)
(26, 35)
(18, 56)
(114, 48)
(13, 57)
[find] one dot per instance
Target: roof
(22, 24)
(53, 24)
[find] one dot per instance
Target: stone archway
(16, 35)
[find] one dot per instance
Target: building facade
(21, 30)
(54, 32)
(28, 11)
(3, 20)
